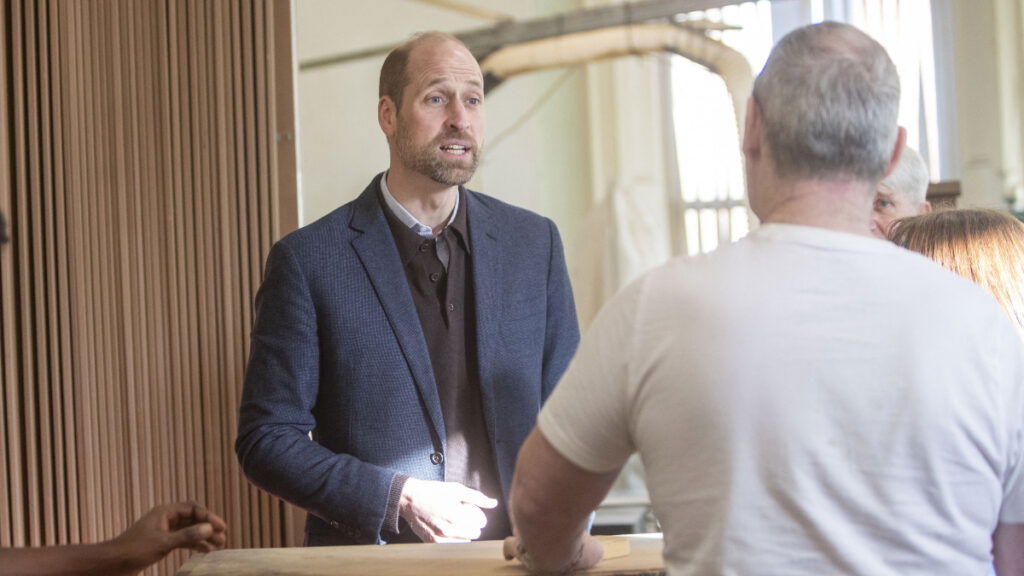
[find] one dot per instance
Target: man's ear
(387, 115)
(926, 207)
(897, 151)
(753, 128)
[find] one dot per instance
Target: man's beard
(427, 159)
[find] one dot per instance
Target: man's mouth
(457, 149)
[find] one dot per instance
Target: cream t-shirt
(806, 402)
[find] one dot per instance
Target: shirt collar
(408, 219)
(458, 222)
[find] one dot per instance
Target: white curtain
(904, 27)
(624, 239)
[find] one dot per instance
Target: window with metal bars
(709, 208)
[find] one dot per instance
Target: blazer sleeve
(562, 333)
(282, 380)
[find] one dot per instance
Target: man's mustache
(458, 135)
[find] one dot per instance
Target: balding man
(809, 400)
(901, 194)
(415, 331)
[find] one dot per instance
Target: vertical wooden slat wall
(147, 164)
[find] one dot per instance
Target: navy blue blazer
(337, 350)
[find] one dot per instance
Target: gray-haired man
(902, 194)
(808, 400)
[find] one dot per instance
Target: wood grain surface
(475, 558)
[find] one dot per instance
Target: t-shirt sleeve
(586, 419)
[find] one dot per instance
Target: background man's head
(902, 193)
(826, 103)
(431, 108)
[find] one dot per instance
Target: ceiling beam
(467, 9)
(484, 41)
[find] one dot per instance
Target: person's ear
(897, 151)
(926, 207)
(387, 116)
(753, 129)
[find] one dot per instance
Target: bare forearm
(551, 500)
(1008, 549)
(78, 560)
(552, 545)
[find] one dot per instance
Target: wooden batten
(147, 165)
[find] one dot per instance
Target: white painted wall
(989, 67)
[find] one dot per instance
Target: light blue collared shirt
(415, 225)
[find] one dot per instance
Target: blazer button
(437, 458)
(334, 524)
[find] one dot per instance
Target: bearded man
(404, 343)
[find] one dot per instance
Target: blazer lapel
(376, 249)
(484, 234)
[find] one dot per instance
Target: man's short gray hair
(829, 96)
(910, 177)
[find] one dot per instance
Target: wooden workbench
(472, 559)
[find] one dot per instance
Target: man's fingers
(458, 535)
(191, 536)
(219, 539)
(449, 540)
(200, 513)
(182, 514)
(464, 522)
(425, 532)
(478, 499)
(592, 553)
(444, 511)
(429, 536)
(204, 547)
(218, 523)
(462, 528)
(509, 547)
(469, 515)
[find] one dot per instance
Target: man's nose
(877, 227)
(458, 116)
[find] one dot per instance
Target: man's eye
(882, 203)
(434, 99)
(473, 101)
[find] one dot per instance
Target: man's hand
(168, 527)
(588, 554)
(443, 511)
(150, 538)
